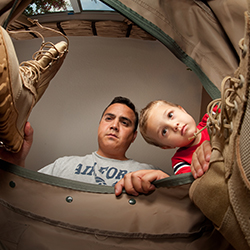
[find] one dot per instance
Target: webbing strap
(10, 14)
(175, 180)
(172, 181)
(53, 180)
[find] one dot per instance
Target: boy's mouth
(183, 130)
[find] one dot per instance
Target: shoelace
(220, 120)
(32, 69)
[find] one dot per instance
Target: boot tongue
(51, 54)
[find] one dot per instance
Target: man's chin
(111, 139)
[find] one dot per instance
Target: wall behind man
(97, 69)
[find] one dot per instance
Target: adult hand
(139, 182)
(19, 157)
(200, 159)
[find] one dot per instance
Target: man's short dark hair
(128, 103)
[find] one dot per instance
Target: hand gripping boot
(223, 193)
(21, 86)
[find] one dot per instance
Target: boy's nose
(176, 126)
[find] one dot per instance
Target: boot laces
(221, 122)
(31, 70)
(222, 110)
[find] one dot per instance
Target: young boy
(168, 125)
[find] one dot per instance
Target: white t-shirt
(93, 168)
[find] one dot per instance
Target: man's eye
(164, 131)
(125, 123)
(107, 118)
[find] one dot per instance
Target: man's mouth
(112, 135)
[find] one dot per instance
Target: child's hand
(200, 160)
(139, 182)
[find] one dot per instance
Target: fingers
(207, 150)
(148, 178)
(127, 184)
(118, 187)
(139, 182)
(196, 168)
(28, 137)
(19, 157)
(200, 159)
(28, 132)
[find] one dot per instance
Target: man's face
(116, 131)
(170, 126)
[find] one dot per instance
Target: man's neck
(112, 156)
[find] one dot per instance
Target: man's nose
(115, 125)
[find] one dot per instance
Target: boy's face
(170, 126)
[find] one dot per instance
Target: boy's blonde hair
(143, 121)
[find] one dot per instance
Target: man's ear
(135, 134)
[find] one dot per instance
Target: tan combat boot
(223, 193)
(22, 86)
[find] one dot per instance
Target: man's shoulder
(65, 162)
(69, 160)
(74, 157)
(142, 165)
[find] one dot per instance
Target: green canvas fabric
(46, 212)
(40, 214)
(203, 36)
(11, 10)
(223, 192)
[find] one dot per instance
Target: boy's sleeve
(181, 161)
(181, 168)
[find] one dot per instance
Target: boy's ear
(180, 107)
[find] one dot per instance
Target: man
(117, 130)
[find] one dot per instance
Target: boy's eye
(170, 115)
(164, 131)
